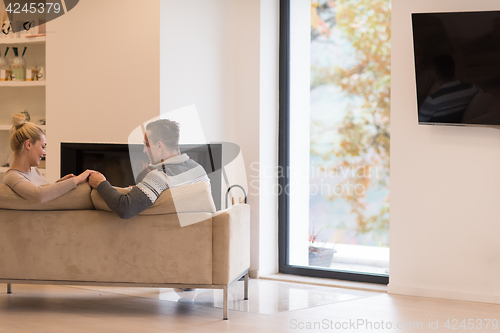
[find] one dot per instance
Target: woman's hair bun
(23, 130)
(18, 120)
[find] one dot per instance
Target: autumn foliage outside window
(360, 141)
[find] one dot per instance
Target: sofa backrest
(191, 198)
(77, 199)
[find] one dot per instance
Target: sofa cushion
(184, 199)
(77, 199)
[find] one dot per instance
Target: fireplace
(120, 162)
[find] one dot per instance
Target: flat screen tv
(457, 68)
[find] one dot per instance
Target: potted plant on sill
(319, 256)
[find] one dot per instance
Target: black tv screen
(457, 67)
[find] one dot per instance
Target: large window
(334, 138)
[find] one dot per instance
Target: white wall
(247, 115)
(198, 62)
(444, 186)
(102, 73)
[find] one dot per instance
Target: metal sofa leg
(245, 295)
(9, 288)
(225, 303)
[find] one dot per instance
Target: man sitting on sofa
(168, 169)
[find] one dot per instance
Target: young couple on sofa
(168, 169)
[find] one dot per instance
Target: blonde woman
(27, 142)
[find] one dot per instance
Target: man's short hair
(166, 131)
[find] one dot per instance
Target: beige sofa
(76, 240)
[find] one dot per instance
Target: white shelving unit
(16, 96)
(23, 40)
(8, 127)
(22, 84)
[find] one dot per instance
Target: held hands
(82, 178)
(96, 178)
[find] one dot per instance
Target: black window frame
(284, 162)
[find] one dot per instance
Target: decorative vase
(4, 63)
(19, 69)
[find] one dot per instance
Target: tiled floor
(267, 297)
(273, 307)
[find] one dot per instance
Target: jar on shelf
(5, 72)
(18, 67)
(4, 63)
(4, 66)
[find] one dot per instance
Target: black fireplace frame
(209, 156)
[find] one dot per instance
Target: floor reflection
(266, 297)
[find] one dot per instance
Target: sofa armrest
(230, 243)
